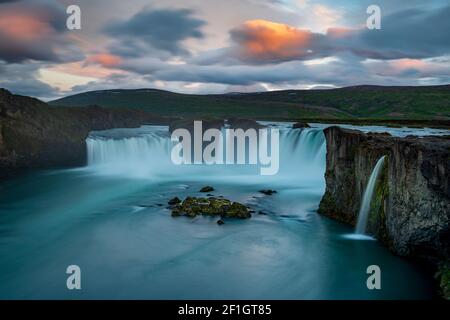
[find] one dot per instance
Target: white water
(145, 153)
(367, 198)
(117, 229)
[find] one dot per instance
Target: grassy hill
(359, 102)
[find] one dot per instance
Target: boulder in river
(174, 201)
(268, 192)
(207, 189)
(193, 206)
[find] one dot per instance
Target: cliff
(36, 135)
(410, 210)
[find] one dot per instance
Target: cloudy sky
(212, 46)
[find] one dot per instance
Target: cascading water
(136, 153)
(115, 207)
(145, 152)
(367, 198)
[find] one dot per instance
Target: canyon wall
(36, 135)
(410, 210)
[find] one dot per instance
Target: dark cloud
(155, 29)
(35, 30)
(243, 74)
(414, 33)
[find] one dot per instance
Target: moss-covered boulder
(194, 206)
(174, 201)
(207, 189)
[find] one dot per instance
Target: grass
(361, 102)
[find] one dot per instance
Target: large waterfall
(367, 198)
(145, 153)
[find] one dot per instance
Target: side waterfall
(367, 198)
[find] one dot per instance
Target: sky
(211, 46)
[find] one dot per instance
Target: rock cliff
(36, 135)
(410, 210)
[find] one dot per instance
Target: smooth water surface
(110, 219)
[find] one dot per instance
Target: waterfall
(145, 153)
(367, 198)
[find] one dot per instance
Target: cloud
(413, 33)
(105, 59)
(22, 79)
(240, 74)
(153, 30)
(246, 45)
(267, 52)
(407, 68)
(34, 31)
(263, 40)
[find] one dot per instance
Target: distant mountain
(426, 102)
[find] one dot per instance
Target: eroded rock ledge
(410, 210)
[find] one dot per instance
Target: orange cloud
(105, 59)
(266, 40)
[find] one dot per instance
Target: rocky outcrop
(300, 125)
(244, 124)
(188, 124)
(410, 210)
(193, 206)
(36, 135)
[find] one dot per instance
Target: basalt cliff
(36, 135)
(410, 209)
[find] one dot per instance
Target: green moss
(443, 276)
(377, 217)
(193, 206)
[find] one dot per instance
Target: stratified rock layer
(410, 210)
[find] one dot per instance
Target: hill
(371, 102)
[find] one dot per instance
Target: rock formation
(193, 206)
(410, 211)
(36, 135)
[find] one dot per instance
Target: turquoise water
(117, 229)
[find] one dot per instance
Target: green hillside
(430, 102)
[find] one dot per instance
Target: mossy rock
(207, 189)
(174, 201)
(443, 276)
(194, 206)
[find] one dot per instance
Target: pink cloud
(23, 27)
